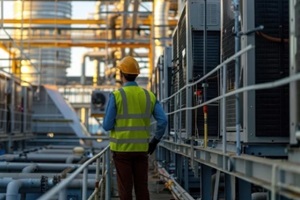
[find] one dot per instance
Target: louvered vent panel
(227, 51)
(272, 63)
(212, 60)
(182, 63)
(173, 79)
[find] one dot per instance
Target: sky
(80, 10)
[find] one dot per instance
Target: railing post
(223, 117)
(103, 176)
(62, 194)
(97, 178)
(84, 183)
(107, 177)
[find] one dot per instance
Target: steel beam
(71, 43)
(145, 22)
(279, 177)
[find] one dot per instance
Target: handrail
(60, 188)
(211, 72)
(260, 86)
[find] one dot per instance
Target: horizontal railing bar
(212, 71)
(261, 86)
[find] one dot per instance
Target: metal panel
(227, 50)
(213, 57)
(197, 15)
(272, 63)
(265, 112)
(188, 57)
(294, 68)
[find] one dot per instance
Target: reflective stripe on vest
(124, 141)
(126, 115)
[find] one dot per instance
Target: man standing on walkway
(128, 117)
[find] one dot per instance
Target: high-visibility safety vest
(131, 132)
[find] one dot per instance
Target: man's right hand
(152, 145)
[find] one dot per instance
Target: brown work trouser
(132, 170)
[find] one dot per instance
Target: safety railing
(259, 171)
(102, 180)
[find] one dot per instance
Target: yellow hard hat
(128, 65)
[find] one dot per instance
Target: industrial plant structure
(226, 73)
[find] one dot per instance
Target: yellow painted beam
(68, 44)
(14, 64)
(146, 21)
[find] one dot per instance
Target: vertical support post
(103, 176)
(294, 68)
(236, 6)
(227, 190)
(84, 184)
(97, 178)
(189, 71)
(216, 185)
(223, 119)
(180, 115)
(186, 174)
(244, 190)
(2, 15)
(205, 108)
(62, 194)
(107, 177)
(206, 188)
(178, 164)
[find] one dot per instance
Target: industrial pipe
(173, 186)
(30, 168)
(13, 186)
(40, 157)
(12, 190)
(40, 166)
(11, 176)
(160, 29)
(60, 151)
(259, 196)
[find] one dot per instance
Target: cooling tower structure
(47, 65)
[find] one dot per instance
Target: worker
(128, 116)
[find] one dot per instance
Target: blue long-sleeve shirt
(111, 113)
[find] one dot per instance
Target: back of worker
(131, 132)
(128, 116)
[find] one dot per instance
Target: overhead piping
(161, 9)
(92, 54)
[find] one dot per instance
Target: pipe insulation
(30, 168)
(161, 12)
(41, 166)
(13, 186)
(11, 176)
(40, 157)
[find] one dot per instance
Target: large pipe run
(40, 157)
(13, 186)
(40, 166)
(12, 176)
